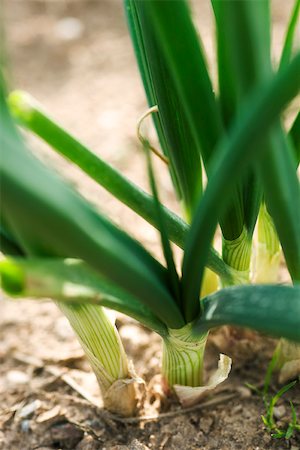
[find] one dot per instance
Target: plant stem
(237, 254)
(182, 360)
(104, 350)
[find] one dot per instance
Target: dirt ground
(84, 73)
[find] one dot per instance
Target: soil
(84, 73)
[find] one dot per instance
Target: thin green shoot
(270, 402)
(269, 420)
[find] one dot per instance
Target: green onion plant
(58, 246)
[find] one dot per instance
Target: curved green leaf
(248, 32)
(29, 114)
(70, 281)
(273, 310)
(8, 245)
(48, 218)
(235, 154)
(241, 24)
(282, 195)
(181, 46)
(186, 64)
(167, 250)
(182, 150)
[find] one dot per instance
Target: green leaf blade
(29, 114)
(273, 310)
(181, 148)
(61, 223)
(234, 155)
(290, 36)
(71, 281)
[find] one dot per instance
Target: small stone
(266, 439)
(17, 377)
(25, 426)
(137, 445)
(206, 424)
(69, 29)
(177, 440)
(279, 411)
(29, 409)
(51, 415)
(66, 435)
(45, 448)
(244, 391)
(119, 447)
(88, 443)
(237, 409)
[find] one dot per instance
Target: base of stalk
(104, 350)
(123, 395)
(237, 255)
(183, 368)
(189, 396)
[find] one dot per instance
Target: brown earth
(86, 77)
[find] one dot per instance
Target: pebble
(88, 443)
(69, 29)
(244, 391)
(206, 424)
(17, 377)
(25, 426)
(134, 445)
(137, 445)
(279, 411)
(29, 409)
(237, 409)
(50, 415)
(66, 435)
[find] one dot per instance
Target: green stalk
(248, 27)
(184, 57)
(183, 154)
(100, 340)
(136, 34)
(183, 354)
(104, 350)
(267, 271)
(29, 114)
(70, 283)
(234, 155)
(237, 254)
